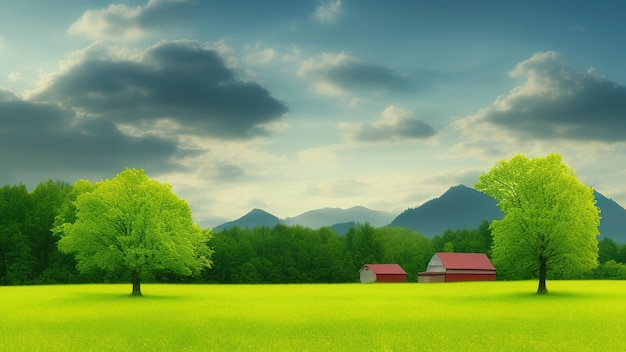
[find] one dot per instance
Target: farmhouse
(382, 273)
(448, 267)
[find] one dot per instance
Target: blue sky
(290, 106)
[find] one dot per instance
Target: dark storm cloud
(176, 81)
(44, 141)
(555, 101)
(397, 124)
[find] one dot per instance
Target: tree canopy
(550, 219)
(133, 228)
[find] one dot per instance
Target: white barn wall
(367, 275)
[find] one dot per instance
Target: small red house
(382, 273)
(448, 267)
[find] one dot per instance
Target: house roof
(474, 261)
(393, 269)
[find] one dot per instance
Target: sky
(290, 106)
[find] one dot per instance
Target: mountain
(613, 218)
(343, 228)
(255, 218)
(330, 216)
(460, 207)
(463, 207)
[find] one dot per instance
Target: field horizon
(575, 316)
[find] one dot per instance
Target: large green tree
(132, 227)
(550, 219)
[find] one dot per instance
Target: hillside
(460, 207)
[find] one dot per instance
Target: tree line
(29, 252)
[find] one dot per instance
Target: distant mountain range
(460, 207)
(331, 216)
(314, 219)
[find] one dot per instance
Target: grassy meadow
(476, 316)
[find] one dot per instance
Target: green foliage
(295, 254)
(607, 250)
(610, 270)
(448, 247)
(28, 253)
(466, 240)
(550, 224)
(282, 254)
(405, 247)
(133, 227)
(468, 316)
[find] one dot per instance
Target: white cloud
(336, 188)
(397, 124)
(14, 76)
(116, 22)
(120, 22)
(292, 56)
(258, 55)
(329, 11)
(320, 156)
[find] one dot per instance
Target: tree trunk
(136, 285)
(542, 290)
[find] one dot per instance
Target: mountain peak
(255, 217)
(460, 207)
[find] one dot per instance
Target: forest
(280, 254)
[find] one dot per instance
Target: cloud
(42, 136)
(14, 76)
(183, 85)
(258, 55)
(554, 101)
(120, 22)
(224, 171)
(332, 74)
(396, 124)
(343, 188)
(328, 12)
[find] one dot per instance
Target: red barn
(448, 267)
(382, 273)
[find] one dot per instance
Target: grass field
(487, 316)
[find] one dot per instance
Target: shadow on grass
(114, 296)
(552, 295)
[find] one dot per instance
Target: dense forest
(279, 254)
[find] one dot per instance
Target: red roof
(393, 269)
(474, 261)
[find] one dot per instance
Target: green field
(487, 316)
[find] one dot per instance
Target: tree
(607, 250)
(448, 247)
(47, 199)
(550, 219)
(132, 227)
(17, 262)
